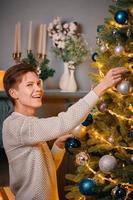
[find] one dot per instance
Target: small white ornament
(107, 163)
(103, 48)
(119, 50)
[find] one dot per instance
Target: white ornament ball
(111, 139)
(118, 49)
(107, 163)
(124, 87)
(132, 158)
(103, 48)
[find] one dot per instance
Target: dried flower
(68, 43)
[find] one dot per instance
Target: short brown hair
(14, 75)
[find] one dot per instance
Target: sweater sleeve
(57, 154)
(35, 130)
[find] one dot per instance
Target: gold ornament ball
(79, 131)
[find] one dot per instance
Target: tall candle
(40, 39)
(30, 36)
(44, 39)
(19, 37)
(15, 39)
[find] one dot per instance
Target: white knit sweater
(33, 173)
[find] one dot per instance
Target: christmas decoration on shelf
(106, 152)
(42, 67)
(70, 46)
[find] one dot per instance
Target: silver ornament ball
(102, 106)
(124, 87)
(107, 163)
(111, 139)
(132, 158)
(82, 158)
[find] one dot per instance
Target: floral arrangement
(43, 68)
(68, 43)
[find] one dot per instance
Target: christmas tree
(104, 159)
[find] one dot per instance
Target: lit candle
(44, 39)
(15, 38)
(40, 39)
(19, 38)
(30, 36)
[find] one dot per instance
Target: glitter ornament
(82, 158)
(107, 163)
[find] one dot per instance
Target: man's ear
(13, 93)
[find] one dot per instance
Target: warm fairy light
(99, 137)
(115, 24)
(101, 176)
(120, 116)
(101, 73)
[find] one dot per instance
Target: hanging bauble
(120, 192)
(102, 106)
(82, 158)
(99, 28)
(131, 133)
(124, 87)
(103, 48)
(121, 16)
(79, 131)
(114, 32)
(98, 42)
(113, 192)
(94, 56)
(107, 163)
(111, 139)
(72, 144)
(129, 33)
(118, 50)
(87, 186)
(88, 120)
(131, 158)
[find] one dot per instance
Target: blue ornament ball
(88, 120)
(71, 144)
(120, 192)
(99, 28)
(94, 56)
(87, 187)
(121, 16)
(131, 133)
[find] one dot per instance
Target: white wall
(89, 13)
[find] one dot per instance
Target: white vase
(63, 83)
(72, 85)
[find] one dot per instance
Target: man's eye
(30, 84)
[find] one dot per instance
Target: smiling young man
(33, 168)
